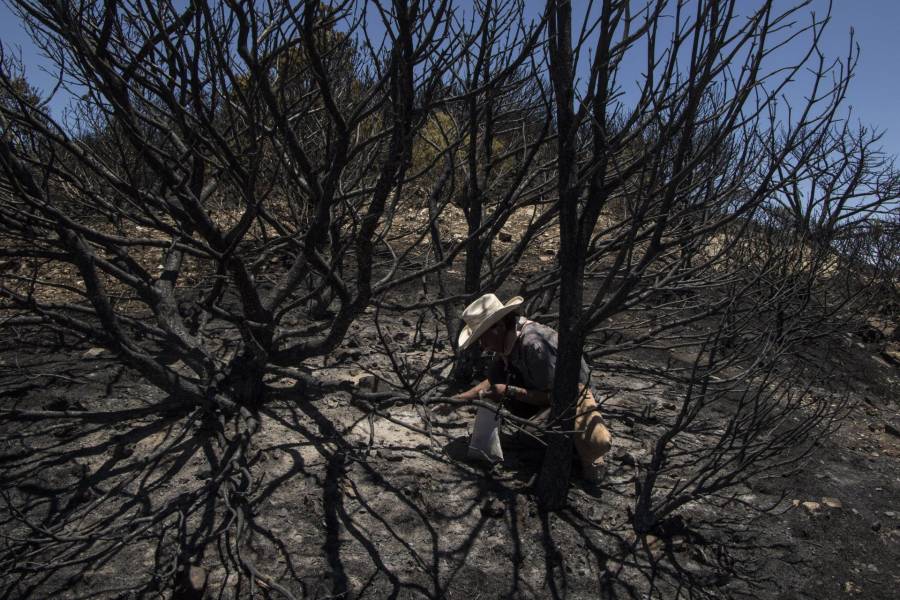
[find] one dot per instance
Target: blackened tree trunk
(553, 482)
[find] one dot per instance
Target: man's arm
(500, 391)
(515, 392)
(473, 393)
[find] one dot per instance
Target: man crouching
(520, 377)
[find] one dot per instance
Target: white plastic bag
(485, 441)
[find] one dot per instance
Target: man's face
(494, 338)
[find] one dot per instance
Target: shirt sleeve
(540, 361)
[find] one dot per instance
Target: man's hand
(495, 392)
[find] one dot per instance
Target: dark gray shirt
(532, 361)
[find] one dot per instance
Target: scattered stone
(889, 513)
(811, 507)
(891, 429)
(353, 354)
(284, 382)
(442, 372)
(832, 503)
(62, 404)
(892, 356)
(656, 545)
(493, 508)
(197, 576)
(365, 381)
(190, 583)
(625, 457)
(669, 405)
(93, 352)
(851, 588)
(871, 334)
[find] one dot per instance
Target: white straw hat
(482, 314)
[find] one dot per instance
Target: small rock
(656, 545)
(624, 457)
(669, 405)
(876, 526)
(352, 354)
(365, 381)
(811, 507)
(851, 588)
(891, 429)
(891, 356)
(832, 503)
(890, 514)
(284, 382)
(93, 353)
(442, 372)
(62, 405)
(493, 508)
(504, 237)
(190, 583)
(197, 577)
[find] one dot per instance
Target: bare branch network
(236, 184)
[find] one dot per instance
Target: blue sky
(874, 93)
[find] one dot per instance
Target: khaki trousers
(592, 439)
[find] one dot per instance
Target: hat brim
(468, 336)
